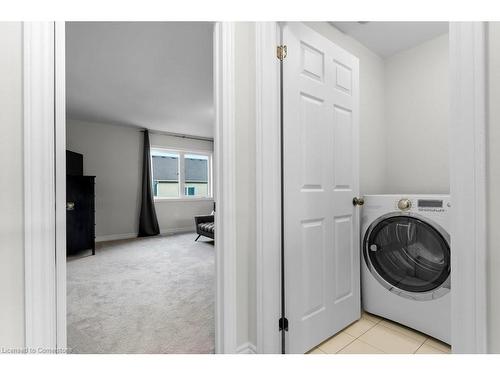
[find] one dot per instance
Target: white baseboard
(246, 348)
(114, 237)
(126, 236)
(177, 230)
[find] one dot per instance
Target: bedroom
(149, 288)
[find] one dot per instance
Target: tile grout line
(373, 346)
(358, 338)
(345, 346)
(433, 347)
(395, 331)
(404, 334)
(364, 331)
(415, 352)
(426, 338)
(354, 338)
(330, 338)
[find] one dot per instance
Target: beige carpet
(150, 295)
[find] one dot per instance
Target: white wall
(493, 185)
(245, 182)
(416, 119)
(372, 142)
(11, 187)
(404, 102)
(113, 154)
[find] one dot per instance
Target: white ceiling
(389, 38)
(149, 74)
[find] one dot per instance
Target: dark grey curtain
(148, 223)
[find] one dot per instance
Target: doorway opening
(45, 164)
(140, 223)
(361, 103)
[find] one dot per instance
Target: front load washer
(406, 261)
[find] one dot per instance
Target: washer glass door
(408, 253)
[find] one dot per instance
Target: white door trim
(467, 180)
(468, 186)
(60, 178)
(39, 192)
(224, 184)
(268, 187)
(44, 164)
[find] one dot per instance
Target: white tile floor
(374, 335)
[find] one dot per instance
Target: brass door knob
(70, 206)
(358, 201)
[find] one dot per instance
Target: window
(180, 174)
(196, 175)
(165, 173)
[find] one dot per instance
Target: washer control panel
(422, 204)
(430, 203)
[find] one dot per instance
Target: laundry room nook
(404, 202)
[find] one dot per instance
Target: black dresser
(80, 206)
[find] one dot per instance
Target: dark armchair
(205, 226)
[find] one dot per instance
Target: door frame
(468, 123)
(44, 177)
(467, 129)
(268, 187)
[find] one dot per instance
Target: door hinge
(281, 52)
(283, 324)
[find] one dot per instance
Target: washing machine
(406, 261)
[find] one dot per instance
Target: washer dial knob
(404, 204)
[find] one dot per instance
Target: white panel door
(320, 98)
